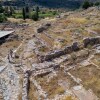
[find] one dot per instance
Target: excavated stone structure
(69, 49)
(44, 68)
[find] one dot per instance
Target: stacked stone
(58, 53)
(25, 86)
(69, 49)
(42, 69)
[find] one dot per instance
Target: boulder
(75, 46)
(91, 41)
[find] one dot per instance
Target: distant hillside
(59, 3)
(71, 4)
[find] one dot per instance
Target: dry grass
(32, 92)
(47, 39)
(13, 20)
(90, 77)
(20, 93)
(68, 98)
(5, 47)
(96, 60)
(19, 20)
(79, 20)
(52, 87)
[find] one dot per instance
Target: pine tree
(6, 11)
(97, 3)
(24, 14)
(35, 16)
(11, 10)
(1, 9)
(37, 12)
(27, 11)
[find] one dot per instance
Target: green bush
(97, 3)
(2, 18)
(17, 15)
(1, 9)
(86, 5)
(34, 17)
(54, 12)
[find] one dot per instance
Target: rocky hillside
(52, 59)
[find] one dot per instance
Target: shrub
(34, 17)
(54, 12)
(86, 5)
(1, 9)
(91, 4)
(2, 18)
(97, 3)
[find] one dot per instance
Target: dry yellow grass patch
(69, 98)
(32, 92)
(48, 40)
(96, 59)
(90, 77)
(96, 29)
(79, 20)
(20, 93)
(14, 20)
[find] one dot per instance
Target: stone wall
(57, 53)
(44, 68)
(25, 85)
(69, 49)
